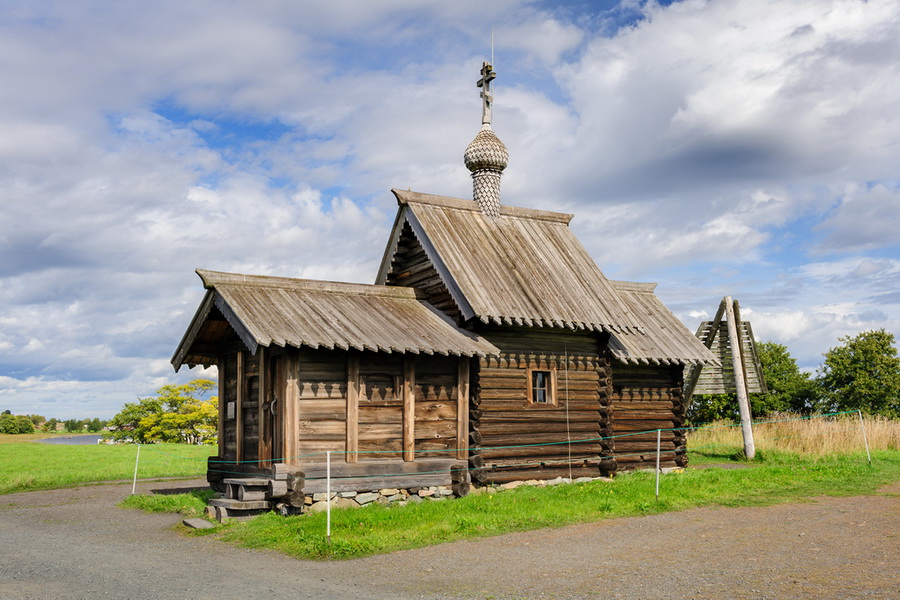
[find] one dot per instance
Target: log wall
(412, 268)
(646, 398)
(513, 438)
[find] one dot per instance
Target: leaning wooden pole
(740, 383)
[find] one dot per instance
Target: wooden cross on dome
(487, 76)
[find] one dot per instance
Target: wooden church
(491, 348)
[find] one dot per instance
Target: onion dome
(486, 156)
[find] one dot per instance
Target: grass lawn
(27, 466)
(773, 477)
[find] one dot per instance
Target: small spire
(486, 156)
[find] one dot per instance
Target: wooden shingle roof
(266, 311)
(663, 340)
(525, 267)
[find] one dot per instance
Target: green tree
(790, 389)
(37, 419)
(74, 425)
(25, 424)
(13, 424)
(863, 374)
(8, 423)
(95, 425)
(51, 424)
(178, 413)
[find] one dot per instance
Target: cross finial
(487, 76)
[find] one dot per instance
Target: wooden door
(273, 386)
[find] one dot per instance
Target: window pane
(540, 387)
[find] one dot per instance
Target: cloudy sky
(719, 147)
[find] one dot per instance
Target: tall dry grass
(816, 436)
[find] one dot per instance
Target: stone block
(367, 497)
(197, 524)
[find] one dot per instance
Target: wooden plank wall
(323, 377)
(380, 406)
(436, 406)
(322, 404)
(502, 415)
(646, 398)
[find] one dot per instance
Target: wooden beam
(409, 409)
(462, 409)
(220, 368)
(352, 441)
(264, 445)
(239, 411)
(740, 384)
(291, 420)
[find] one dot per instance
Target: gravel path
(76, 543)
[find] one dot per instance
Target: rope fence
(331, 454)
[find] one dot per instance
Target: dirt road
(76, 543)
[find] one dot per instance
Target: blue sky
(720, 147)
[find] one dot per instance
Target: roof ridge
(406, 197)
(213, 279)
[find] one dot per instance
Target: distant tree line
(862, 373)
(10, 423)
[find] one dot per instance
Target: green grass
(189, 505)
(28, 466)
(771, 479)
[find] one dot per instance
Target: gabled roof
(664, 339)
(266, 311)
(525, 267)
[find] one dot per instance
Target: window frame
(551, 388)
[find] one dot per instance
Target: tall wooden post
(409, 409)
(291, 418)
(734, 339)
(352, 442)
(462, 409)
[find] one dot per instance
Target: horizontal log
(625, 425)
(534, 438)
(638, 457)
(639, 446)
(631, 414)
(644, 404)
(500, 373)
(489, 428)
(511, 404)
(507, 416)
(578, 451)
(666, 436)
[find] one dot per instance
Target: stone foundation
(401, 497)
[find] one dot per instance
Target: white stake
(657, 464)
(865, 439)
(136, 461)
(328, 496)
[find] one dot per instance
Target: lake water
(73, 439)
